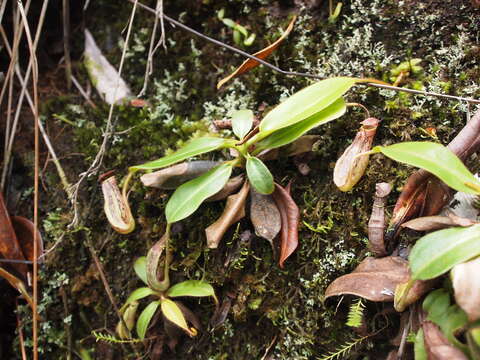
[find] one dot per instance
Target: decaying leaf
(431, 223)
(24, 230)
(221, 313)
(437, 345)
(116, 206)
(290, 215)
(230, 187)
(466, 286)
(9, 245)
(349, 168)
(233, 212)
(262, 54)
(172, 177)
(376, 224)
(265, 216)
(424, 194)
(111, 87)
(373, 279)
(463, 205)
(302, 145)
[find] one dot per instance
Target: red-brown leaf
(262, 54)
(437, 345)
(24, 229)
(290, 215)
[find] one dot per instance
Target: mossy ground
(279, 311)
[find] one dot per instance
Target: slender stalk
(295, 73)
(34, 66)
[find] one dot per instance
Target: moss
(370, 38)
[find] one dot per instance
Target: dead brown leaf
(290, 215)
(9, 246)
(431, 223)
(233, 212)
(172, 177)
(437, 345)
(262, 54)
(265, 216)
(373, 279)
(24, 230)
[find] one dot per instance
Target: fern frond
(344, 349)
(112, 339)
(355, 314)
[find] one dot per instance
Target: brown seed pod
(350, 167)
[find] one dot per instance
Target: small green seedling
(240, 33)
(163, 298)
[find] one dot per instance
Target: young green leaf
(419, 346)
(242, 121)
(293, 132)
(436, 253)
(305, 103)
(259, 175)
(195, 147)
(173, 313)
(138, 294)
(145, 318)
(189, 196)
(196, 288)
(436, 159)
(140, 267)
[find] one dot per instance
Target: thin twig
(34, 66)
(66, 42)
(95, 165)
(46, 139)
(295, 73)
(83, 92)
(22, 92)
(20, 333)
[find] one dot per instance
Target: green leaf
(195, 147)
(242, 121)
(195, 288)
(189, 196)
(173, 313)
(437, 159)
(450, 318)
(436, 253)
(419, 347)
(259, 175)
(140, 267)
(145, 318)
(293, 132)
(305, 103)
(138, 294)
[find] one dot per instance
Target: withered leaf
(290, 215)
(373, 279)
(376, 224)
(25, 229)
(424, 194)
(264, 215)
(221, 313)
(234, 211)
(230, 187)
(431, 223)
(17, 284)
(302, 145)
(262, 54)
(172, 177)
(437, 345)
(9, 245)
(349, 168)
(466, 286)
